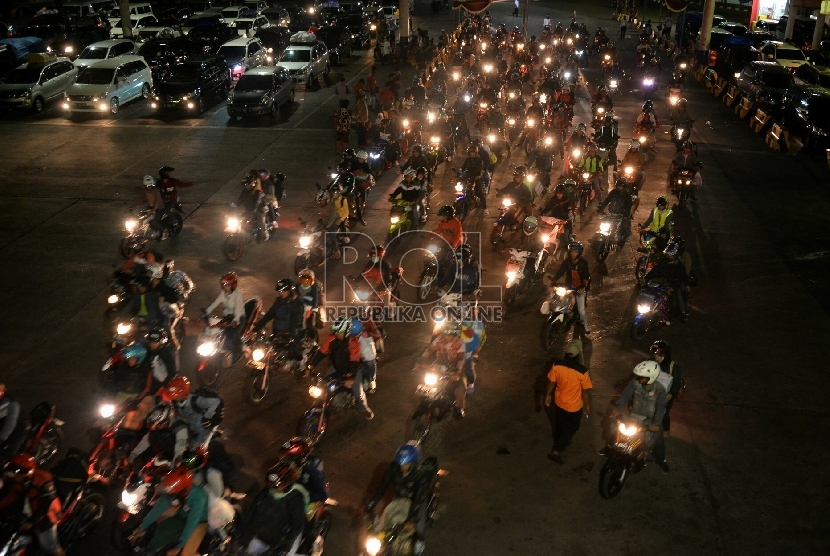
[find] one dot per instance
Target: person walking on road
(516, 8)
(623, 27)
(572, 384)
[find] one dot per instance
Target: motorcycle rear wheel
(611, 480)
(550, 333)
(211, 374)
(256, 391)
(639, 329)
(176, 223)
(234, 246)
(85, 518)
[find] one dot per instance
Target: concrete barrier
(711, 77)
(720, 86)
(774, 136)
(744, 107)
(759, 120)
(731, 95)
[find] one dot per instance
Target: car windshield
(230, 13)
(40, 32)
(184, 72)
(249, 83)
(789, 54)
(91, 53)
(292, 55)
(242, 23)
(23, 76)
(96, 76)
(778, 80)
(232, 52)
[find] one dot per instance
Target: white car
(104, 50)
(106, 86)
(230, 14)
(783, 54)
(36, 82)
(138, 21)
(146, 33)
(242, 54)
(305, 60)
(243, 24)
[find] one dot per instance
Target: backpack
(219, 416)
(615, 206)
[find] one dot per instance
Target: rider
(287, 315)
(450, 228)
(378, 273)
(594, 165)
(448, 350)
(169, 187)
(473, 168)
(146, 304)
(680, 114)
(519, 193)
(647, 118)
(413, 481)
(252, 201)
(183, 502)
(602, 99)
(577, 139)
(343, 352)
(277, 516)
(577, 276)
(661, 352)
(11, 427)
(411, 192)
(234, 310)
(30, 491)
(660, 221)
(648, 399)
(416, 159)
(686, 159)
(152, 198)
(309, 292)
(463, 276)
(619, 204)
(671, 272)
(333, 210)
(530, 239)
(162, 359)
(561, 206)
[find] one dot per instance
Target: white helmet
(149, 181)
(634, 145)
(648, 369)
(362, 156)
(155, 271)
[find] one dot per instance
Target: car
(162, 54)
(230, 14)
(766, 25)
(207, 39)
(783, 54)
(303, 21)
(199, 6)
(765, 83)
(78, 10)
(759, 37)
(42, 79)
(305, 59)
(189, 85)
(137, 21)
(359, 27)
(738, 29)
(338, 40)
(809, 74)
(13, 51)
(716, 40)
(275, 40)
(179, 14)
(49, 20)
(256, 6)
(139, 8)
(47, 33)
(243, 54)
(390, 13)
(146, 33)
(75, 42)
(277, 15)
(260, 92)
(733, 56)
(802, 29)
(806, 113)
(98, 51)
(250, 25)
(108, 85)
(202, 20)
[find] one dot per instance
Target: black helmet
(621, 183)
(464, 252)
(348, 153)
(280, 177)
(661, 347)
(284, 285)
(520, 171)
(662, 201)
(417, 149)
(576, 246)
(688, 145)
(421, 170)
(164, 171)
(346, 181)
(447, 211)
(158, 334)
(678, 245)
(647, 106)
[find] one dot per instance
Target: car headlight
(68, 50)
(238, 67)
(112, 300)
(561, 292)
(206, 349)
(315, 391)
(106, 410)
(628, 430)
(233, 225)
(395, 219)
(130, 225)
(643, 308)
(258, 354)
(430, 379)
(123, 328)
(605, 227)
(373, 545)
(305, 241)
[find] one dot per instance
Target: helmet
(581, 127)
(559, 189)
(322, 197)
(662, 201)
(416, 80)
(263, 174)
(569, 183)
(341, 326)
(620, 183)
(282, 475)
(160, 418)
(164, 171)
(591, 146)
(158, 334)
(576, 246)
(149, 181)
(345, 183)
(634, 145)
(409, 173)
(177, 390)
(377, 251)
(306, 277)
(178, 482)
(408, 453)
(647, 106)
(472, 150)
(649, 370)
(679, 242)
(421, 170)
(671, 250)
(357, 327)
(135, 350)
(661, 347)
(21, 466)
(530, 225)
(348, 153)
(229, 279)
(687, 145)
(417, 149)
(284, 285)
(362, 156)
(297, 447)
(447, 211)
(682, 102)
(464, 252)
(520, 171)
(155, 271)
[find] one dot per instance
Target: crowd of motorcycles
(514, 96)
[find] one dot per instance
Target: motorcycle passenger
(343, 352)
(529, 239)
(450, 228)
(680, 113)
(447, 349)
(188, 502)
(202, 410)
(334, 211)
(169, 187)
(234, 311)
(413, 482)
(561, 206)
(362, 173)
(661, 352)
(619, 204)
(309, 292)
(594, 165)
(29, 491)
(277, 516)
(12, 429)
(411, 192)
(463, 276)
(473, 168)
(378, 273)
(252, 201)
(577, 276)
(647, 118)
(671, 272)
(686, 159)
(145, 304)
(287, 315)
(162, 359)
(648, 400)
(415, 160)
(519, 193)
(602, 99)
(151, 198)
(660, 221)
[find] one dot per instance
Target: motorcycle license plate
(82, 105)
(424, 390)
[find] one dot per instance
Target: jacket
(451, 231)
(410, 192)
(660, 222)
(344, 355)
(287, 315)
(147, 305)
(194, 511)
(275, 517)
(648, 402)
(591, 164)
(618, 202)
(414, 485)
(169, 189)
(152, 198)
(560, 208)
(463, 279)
(473, 167)
(576, 274)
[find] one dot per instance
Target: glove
(207, 423)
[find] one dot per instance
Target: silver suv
(305, 62)
(37, 82)
(243, 54)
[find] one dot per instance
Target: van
(106, 86)
(135, 9)
(78, 10)
(137, 21)
(716, 40)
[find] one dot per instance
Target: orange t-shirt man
(570, 384)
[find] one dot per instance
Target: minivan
(98, 51)
(106, 86)
(78, 10)
(135, 9)
(41, 79)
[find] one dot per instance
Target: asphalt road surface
(748, 450)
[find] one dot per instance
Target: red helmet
(20, 466)
(282, 475)
(297, 448)
(178, 482)
(229, 279)
(377, 251)
(178, 389)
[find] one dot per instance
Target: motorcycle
(606, 63)
(270, 354)
(571, 165)
(108, 460)
(561, 313)
(649, 256)
(139, 233)
(646, 137)
(242, 229)
(436, 400)
(680, 133)
(214, 356)
(466, 199)
(653, 310)
(400, 219)
(682, 184)
(43, 436)
(329, 394)
(313, 247)
(649, 85)
(432, 272)
(506, 220)
(517, 282)
(598, 116)
(626, 456)
(586, 192)
(609, 237)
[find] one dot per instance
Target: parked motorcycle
(139, 233)
(626, 456)
(653, 310)
(272, 353)
(561, 313)
(214, 355)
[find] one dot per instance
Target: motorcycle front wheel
(424, 287)
(611, 479)
(639, 328)
(550, 333)
(210, 375)
(259, 387)
(234, 246)
(49, 446)
(84, 519)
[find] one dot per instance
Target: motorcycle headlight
(305, 241)
(561, 292)
(579, 52)
(430, 379)
(585, 175)
(737, 74)
(435, 139)
(206, 349)
(258, 354)
(543, 98)
(395, 219)
(130, 225)
(128, 498)
(315, 391)
(569, 41)
(431, 117)
(531, 123)
(673, 100)
(506, 202)
(545, 238)
(680, 131)
(511, 94)
(456, 76)
(548, 60)
(600, 110)
(459, 187)
(432, 249)
(238, 67)
(521, 46)
(648, 81)
(466, 98)
(576, 153)
(629, 170)
(488, 68)
(605, 227)
(372, 546)
(405, 123)
(374, 156)
(613, 83)
(491, 138)
(106, 410)
(112, 300)
(567, 75)
(683, 66)
(233, 225)
(607, 57)
(642, 308)
(361, 295)
(511, 275)
(530, 178)
(548, 141)
(482, 104)
(628, 430)
(123, 328)
(642, 139)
